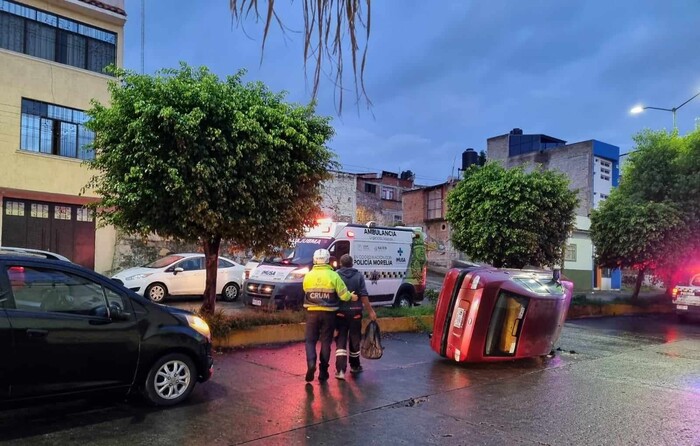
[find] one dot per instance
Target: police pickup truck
(686, 298)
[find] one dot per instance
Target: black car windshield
(304, 248)
(165, 261)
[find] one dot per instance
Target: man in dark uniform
(348, 320)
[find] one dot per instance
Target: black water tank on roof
(516, 131)
(469, 157)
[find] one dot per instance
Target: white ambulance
(392, 260)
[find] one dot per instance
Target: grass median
(221, 323)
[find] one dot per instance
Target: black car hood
(175, 310)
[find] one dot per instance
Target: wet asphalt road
(632, 380)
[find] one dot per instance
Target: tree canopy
(511, 218)
(651, 222)
(192, 157)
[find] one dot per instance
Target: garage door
(66, 229)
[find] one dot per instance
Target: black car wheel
(170, 380)
(157, 292)
(230, 292)
(403, 300)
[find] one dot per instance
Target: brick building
(427, 207)
(379, 197)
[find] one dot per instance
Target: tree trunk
(211, 258)
(638, 284)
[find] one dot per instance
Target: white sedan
(182, 275)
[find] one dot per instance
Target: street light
(640, 108)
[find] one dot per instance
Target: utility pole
(143, 36)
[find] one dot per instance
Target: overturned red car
(485, 314)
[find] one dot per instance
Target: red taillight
(16, 269)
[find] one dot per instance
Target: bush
(432, 295)
(219, 322)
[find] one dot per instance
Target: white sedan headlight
(138, 276)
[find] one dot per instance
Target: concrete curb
(283, 333)
(584, 311)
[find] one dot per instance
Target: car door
(228, 272)
(5, 338)
(72, 332)
(189, 281)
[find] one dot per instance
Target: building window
(570, 253)
(603, 196)
(605, 177)
(39, 210)
(435, 204)
(370, 188)
(47, 128)
(63, 213)
(389, 193)
(84, 214)
(14, 208)
(52, 37)
(397, 218)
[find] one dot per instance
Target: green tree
(327, 24)
(654, 216)
(635, 234)
(510, 218)
(191, 157)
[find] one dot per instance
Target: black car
(67, 330)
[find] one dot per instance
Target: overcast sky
(445, 75)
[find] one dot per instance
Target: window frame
(434, 206)
(64, 28)
(79, 144)
(568, 256)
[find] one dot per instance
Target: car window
(53, 291)
(165, 261)
(223, 263)
(695, 281)
(191, 264)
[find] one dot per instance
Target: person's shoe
(357, 369)
(310, 374)
(323, 375)
(340, 374)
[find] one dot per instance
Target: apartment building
(593, 169)
(53, 55)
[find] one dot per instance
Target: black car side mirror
(116, 313)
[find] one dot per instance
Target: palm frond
(327, 25)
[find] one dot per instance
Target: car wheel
(157, 292)
(230, 292)
(403, 300)
(170, 380)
